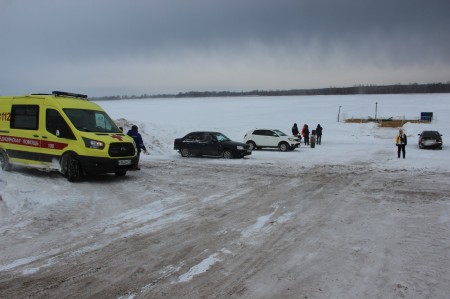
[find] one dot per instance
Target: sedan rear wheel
(185, 152)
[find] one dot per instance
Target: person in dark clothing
(138, 141)
(295, 131)
(319, 134)
(305, 134)
(401, 142)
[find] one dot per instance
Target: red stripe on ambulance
(33, 142)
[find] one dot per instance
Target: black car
(210, 144)
(430, 139)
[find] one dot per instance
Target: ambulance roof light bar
(69, 94)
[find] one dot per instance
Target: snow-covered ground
(346, 219)
(162, 120)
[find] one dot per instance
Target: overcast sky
(117, 47)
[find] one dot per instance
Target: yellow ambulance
(65, 132)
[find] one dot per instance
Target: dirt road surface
(211, 228)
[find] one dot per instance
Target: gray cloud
(108, 47)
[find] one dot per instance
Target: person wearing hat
(133, 132)
(401, 142)
(295, 131)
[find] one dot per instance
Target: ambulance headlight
(93, 143)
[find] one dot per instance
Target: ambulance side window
(56, 125)
(25, 117)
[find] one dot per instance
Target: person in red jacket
(305, 134)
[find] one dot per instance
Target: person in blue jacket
(133, 132)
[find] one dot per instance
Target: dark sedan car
(210, 144)
(430, 139)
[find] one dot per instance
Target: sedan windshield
(91, 121)
(220, 137)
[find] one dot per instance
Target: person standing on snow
(319, 133)
(138, 141)
(295, 131)
(401, 142)
(305, 134)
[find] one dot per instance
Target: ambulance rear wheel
(73, 170)
(4, 163)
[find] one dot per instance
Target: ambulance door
(56, 136)
(24, 139)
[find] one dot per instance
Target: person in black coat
(401, 141)
(319, 134)
(295, 130)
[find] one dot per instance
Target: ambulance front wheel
(120, 173)
(71, 168)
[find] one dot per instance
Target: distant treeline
(360, 89)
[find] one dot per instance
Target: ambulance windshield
(91, 121)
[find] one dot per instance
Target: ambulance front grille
(121, 149)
